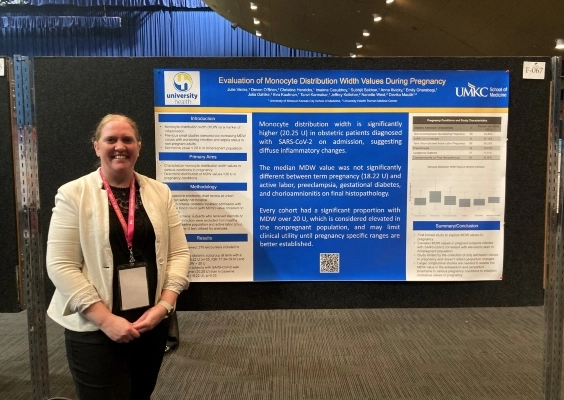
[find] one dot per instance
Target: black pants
(104, 369)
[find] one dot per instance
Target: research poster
(336, 175)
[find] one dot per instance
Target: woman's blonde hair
(114, 117)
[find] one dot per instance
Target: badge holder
(133, 286)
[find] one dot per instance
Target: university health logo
(182, 81)
(472, 91)
(182, 88)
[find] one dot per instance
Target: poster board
(86, 88)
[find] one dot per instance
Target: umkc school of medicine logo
(471, 91)
(182, 88)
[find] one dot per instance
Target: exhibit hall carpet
(415, 353)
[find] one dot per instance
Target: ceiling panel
(454, 16)
(409, 27)
(431, 41)
(421, 10)
(463, 49)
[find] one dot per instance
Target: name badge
(133, 286)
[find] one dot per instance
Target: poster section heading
(322, 88)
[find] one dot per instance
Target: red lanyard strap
(128, 227)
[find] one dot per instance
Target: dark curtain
(154, 30)
(121, 3)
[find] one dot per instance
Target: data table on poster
(456, 138)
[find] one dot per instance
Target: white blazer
(79, 256)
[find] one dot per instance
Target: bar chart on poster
(284, 175)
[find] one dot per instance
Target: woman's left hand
(150, 319)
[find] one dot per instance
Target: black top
(143, 248)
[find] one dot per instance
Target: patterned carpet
(452, 353)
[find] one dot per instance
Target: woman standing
(118, 257)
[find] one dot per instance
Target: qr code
(329, 262)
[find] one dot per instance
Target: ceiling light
(365, 32)
(259, 34)
(253, 6)
(256, 21)
(352, 55)
(389, 1)
(358, 45)
(377, 17)
(559, 44)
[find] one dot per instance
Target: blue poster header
(331, 88)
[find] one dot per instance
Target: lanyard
(130, 226)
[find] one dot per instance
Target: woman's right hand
(116, 328)
(119, 329)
